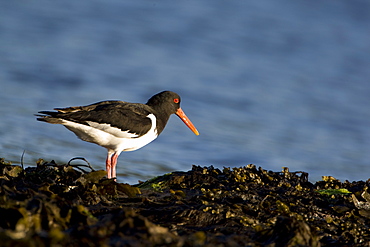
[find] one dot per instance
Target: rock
(56, 205)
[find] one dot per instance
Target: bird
(117, 125)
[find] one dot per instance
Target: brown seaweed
(61, 205)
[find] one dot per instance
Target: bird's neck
(162, 117)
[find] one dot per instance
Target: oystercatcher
(117, 125)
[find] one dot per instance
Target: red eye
(176, 100)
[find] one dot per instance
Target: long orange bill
(186, 120)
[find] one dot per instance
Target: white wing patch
(110, 137)
(112, 130)
(137, 143)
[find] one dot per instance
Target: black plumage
(123, 115)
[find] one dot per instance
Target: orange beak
(186, 120)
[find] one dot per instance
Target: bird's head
(168, 103)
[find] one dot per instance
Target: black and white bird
(117, 125)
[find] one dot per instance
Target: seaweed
(64, 205)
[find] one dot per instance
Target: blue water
(272, 83)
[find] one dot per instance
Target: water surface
(274, 84)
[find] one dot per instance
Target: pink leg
(114, 163)
(108, 165)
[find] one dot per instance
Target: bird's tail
(49, 117)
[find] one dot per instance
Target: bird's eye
(176, 100)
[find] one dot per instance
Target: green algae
(331, 192)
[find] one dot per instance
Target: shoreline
(58, 205)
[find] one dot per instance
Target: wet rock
(288, 231)
(64, 205)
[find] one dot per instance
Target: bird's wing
(89, 107)
(118, 118)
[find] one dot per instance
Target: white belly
(110, 137)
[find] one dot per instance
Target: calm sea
(273, 83)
